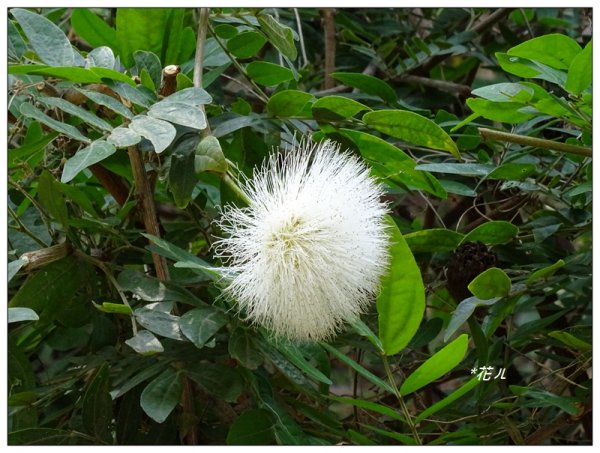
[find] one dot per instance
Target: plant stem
(407, 416)
(232, 184)
(199, 59)
(489, 134)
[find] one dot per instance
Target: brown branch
(41, 257)
(112, 182)
(169, 80)
(489, 134)
(145, 200)
(329, 29)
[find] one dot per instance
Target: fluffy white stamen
(307, 253)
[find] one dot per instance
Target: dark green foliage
(491, 262)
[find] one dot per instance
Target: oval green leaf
(433, 240)
(280, 36)
(66, 129)
(159, 132)
(401, 302)
(178, 113)
(494, 232)
(368, 84)
(579, 76)
(96, 152)
(412, 128)
(161, 395)
(246, 45)
(555, 50)
(332, 108)
(200, 324)
(463, 311)
(288, 103)
(437, 365)
(268, 74)
(490, 283)
(145, 343)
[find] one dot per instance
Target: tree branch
(329, 28)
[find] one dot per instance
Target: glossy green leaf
(246, 44)
(108, 307)
(93, 29)
(412, 128)
(505, 92)
(401, 300)
(463, 312)
(527, 68)
(295, 356)
(52, 198)
(571, 341)
(536, 397)
(179, 113)
(579, 77)
(209, 156)
(161, 395)
(200, 324)
(96, 412)
(490, 283)
(545, 272)
(72, 73)
(192, 96)
(494, 232)
(392, 165)
(288, 103)
(332, 108)
(253, 427)
(13, 268)
(77, 111)
(444, 402)
(96, 152)
(182, 177)
(161, 323)
(555, 50)
(151, 63)
(47, 40)
(66, 129)
(268, 74)
(358, 368)
(505, 112)
(512, 171)
(225, 31)
(102, 57)
(132, 31)
(243, 349)
(402, 438)
(107, 101)
(159, 132)
(18, 314)
(433, 240)
(436, 366)
(281, 36)
(122, 137)
(368, 84)
(145, 343)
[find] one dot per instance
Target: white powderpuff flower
(307, 253)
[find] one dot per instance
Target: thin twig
(23, 229)
(300, 35)
(489, 134)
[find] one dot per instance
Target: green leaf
(145, 343)
(280, 36)
(463, 312)
(436, 366)
(494, 232)
(107, 101)
(178, 113)
(505, 92)
(47, 40)
(433, 240)
(401, 301)
(46, 436)
(101, 57)
(159, 322)
(490, 283)
(161, 395)
(77, 111)
(96, 152)
(141, 29)
(294, 355)
(209, 156)
(512, 171)
(18, 314)
(288, 103)
(412, 128)
(268, 74)
(221, 380)
(369, 405)
(570, 340)
(192, 96)
(402, 438)
(225, 31)
(246, 45)
(151, 63)
(200, 324)
(72, 73)
(554, 50)
(14, 267)
(333, 108)
(526, 68)
(122, 137)
(364, 331)
(182, 177)
(392, 164)
(173, 36)
(444, 402)
(160, 133)
(358, 368)
(243, 349)
(93, 29)
(544, 272)
(541, 398)
(66, 129)
(458, 169)
(16, 45)
(96, 412)
(108, 307)
(52, 198)
(505, 112)
(579, 77)
(368, 84)
(253, 427)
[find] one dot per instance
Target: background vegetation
(130, 124)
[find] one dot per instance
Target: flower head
(308, 251)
